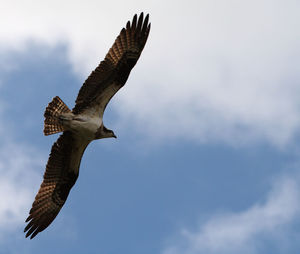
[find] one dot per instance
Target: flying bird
(84, 123)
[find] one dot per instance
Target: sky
(207, 155)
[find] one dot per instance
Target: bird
(84, 123)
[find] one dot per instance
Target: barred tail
(52, 122)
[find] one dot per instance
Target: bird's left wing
(112, 73)
(60, 176)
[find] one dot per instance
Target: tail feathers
(55, 109)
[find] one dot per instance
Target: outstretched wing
(60, 176)
(112, 73)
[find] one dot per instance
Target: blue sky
(207, 155)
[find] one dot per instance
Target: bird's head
(108, 133)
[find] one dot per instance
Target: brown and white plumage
(60, 175)
(83, 124)
(112, 73)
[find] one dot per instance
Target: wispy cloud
(20, 165)
(18, 182)
(246, 232)
(212, 70)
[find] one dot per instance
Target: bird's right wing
(112, 73)
(60, 176)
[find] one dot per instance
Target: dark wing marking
(60, 176)
(112, 73)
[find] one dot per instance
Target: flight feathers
(113, 72)
(53, 113)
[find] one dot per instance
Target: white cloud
(18, 182)
(211, 71)
(20, 172)
(245, 232)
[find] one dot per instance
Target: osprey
(84, 123)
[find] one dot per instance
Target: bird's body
(83, 124)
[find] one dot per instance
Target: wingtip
(34, 234)
(146, 19)
(27, 228)
(133, 23)
(28, 219)
(32, 231)
(145, 24)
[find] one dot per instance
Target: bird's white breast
(86, 125)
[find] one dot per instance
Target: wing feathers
(128, 34)
(115, 68)
(122, 37)
(60, 175)
(134, 21)
(140, 22)
(145, 24)
(118, 47)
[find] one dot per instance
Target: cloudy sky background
(207, 155)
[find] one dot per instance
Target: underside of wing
(112, 73)
(60, 176)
